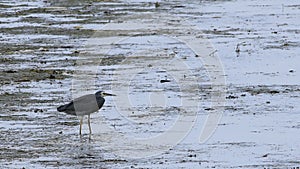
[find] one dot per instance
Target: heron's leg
(81, 120)
(89, 123)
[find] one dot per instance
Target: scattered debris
(237, 49)
(10, 71)
(260, 90)
(232, 97)
(38, 110)
(165, 81)
(51, 77)
(78, 27)
(192, 155)
(42, 49)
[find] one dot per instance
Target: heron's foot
(90, 137)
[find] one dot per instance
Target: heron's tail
(61, 108)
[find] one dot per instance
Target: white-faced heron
(85, 105)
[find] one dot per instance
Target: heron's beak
(108, 94)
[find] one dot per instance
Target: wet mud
(44, 42)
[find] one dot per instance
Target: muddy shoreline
(43, 43)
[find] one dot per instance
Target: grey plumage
(83, 105)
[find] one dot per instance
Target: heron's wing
(68, 108)
(86, 104)
(83, 105)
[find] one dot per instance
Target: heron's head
(103, 94)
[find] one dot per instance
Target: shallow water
(145, 52)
